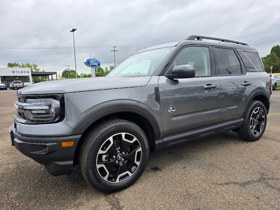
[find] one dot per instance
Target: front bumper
(48, 151)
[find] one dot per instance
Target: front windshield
(141, 64)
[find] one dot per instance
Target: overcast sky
(38, 31)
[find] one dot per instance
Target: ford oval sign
(92, 62)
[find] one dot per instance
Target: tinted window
(227, 62)
(198, 57)
(247, 62)
(255, 59)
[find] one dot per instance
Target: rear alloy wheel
(114, 155)
(255, 122)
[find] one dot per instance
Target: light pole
(73, 30)
(114, 50)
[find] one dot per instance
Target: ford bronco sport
(157, 97)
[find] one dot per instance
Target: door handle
(209, 86)
(245, 83)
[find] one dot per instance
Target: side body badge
(171, 109)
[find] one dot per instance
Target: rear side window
(227, 62)
(251, 61)
(255, 59)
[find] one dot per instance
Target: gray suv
(160, 96)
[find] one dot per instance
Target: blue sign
(92, 62)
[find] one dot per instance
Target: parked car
(275, 81)
(3, 86)
(27, 84)
(16, 84)
(158, 97)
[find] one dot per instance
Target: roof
(38, 73)
(213, 41)
(171, 44)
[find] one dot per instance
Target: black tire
(254, 122)
(274, 86)
(114, 155)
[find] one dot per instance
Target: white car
(16, 84)
(275, 81)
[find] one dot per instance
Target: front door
(192, 102)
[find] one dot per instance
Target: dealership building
(7, 75)
(25, 75)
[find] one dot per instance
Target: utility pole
(68, 68)
(114, 51)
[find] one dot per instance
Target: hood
(85, 84)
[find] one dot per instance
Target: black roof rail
(200, 38)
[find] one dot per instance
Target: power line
(46, 48)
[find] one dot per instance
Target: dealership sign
(16, 71)
(92, 62)
(20, 72)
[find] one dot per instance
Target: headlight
(40, 110)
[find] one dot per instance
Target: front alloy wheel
(114, 155)
(118, 157)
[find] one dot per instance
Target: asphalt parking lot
(221, 172)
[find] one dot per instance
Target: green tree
(271, 60)
(82, 75)
(67, 73)
(73, 74)
(11, 65)
(276, 49)
(32, 66)
(99, 71)
(108, 70)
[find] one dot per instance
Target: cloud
(38, 31)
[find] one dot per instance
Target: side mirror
(182, 71)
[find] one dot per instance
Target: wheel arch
(135, 113)
(259, 95)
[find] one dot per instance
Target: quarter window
(255, 59)
(227, 62)
(198, 57)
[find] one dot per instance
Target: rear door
(236, 84)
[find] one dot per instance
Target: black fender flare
(260, 92)
(117, 106)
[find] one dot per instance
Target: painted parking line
(278, 114)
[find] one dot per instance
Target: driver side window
(197, 57)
